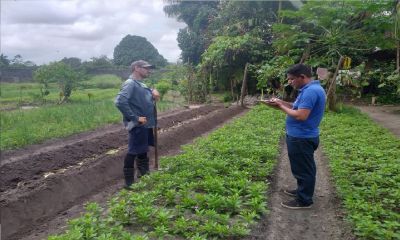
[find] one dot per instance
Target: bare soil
(323, 221)
(46, 182)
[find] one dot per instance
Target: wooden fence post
(244, 85)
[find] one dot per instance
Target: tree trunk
(244, 85)
(190, 87)
(398, 56)
(280, 19)
(396, 36)
(232, 93)
(306, 54)
(331, 93)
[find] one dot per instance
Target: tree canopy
(317, 33)
(132, 48)
(195, 38)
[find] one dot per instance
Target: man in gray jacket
(136, 103)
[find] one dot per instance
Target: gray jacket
(135, 100)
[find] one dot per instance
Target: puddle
(28, 107)
(112, 151)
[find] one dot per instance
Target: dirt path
(322, 221)
(325, 219)
(387, 116)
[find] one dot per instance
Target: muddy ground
(87, 167)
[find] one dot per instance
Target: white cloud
(38, 12)
(48, 30)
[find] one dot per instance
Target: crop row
(365, 163)
(215, 189)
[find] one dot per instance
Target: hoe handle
(155, 138)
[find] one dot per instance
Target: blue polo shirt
(311, 96)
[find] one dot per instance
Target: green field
(21, 127)
(14, 95)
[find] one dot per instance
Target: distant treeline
(16, 74)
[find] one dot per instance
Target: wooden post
(244, 85)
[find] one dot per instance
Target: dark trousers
(129, 160)
(142, 162)
(139, 140)
(302, 164)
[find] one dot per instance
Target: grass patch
(14, 95)
(103, 81)
(365, 163)
(24, 127)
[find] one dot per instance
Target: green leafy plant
(211, 190)
(371, 197)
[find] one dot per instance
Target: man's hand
(142, 120)
(156, 94)
(273, 102)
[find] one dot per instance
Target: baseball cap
(141, 63)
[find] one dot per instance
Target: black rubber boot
(143, 166)
(129, 174)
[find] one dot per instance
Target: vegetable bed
(365, 163)
(215, 189)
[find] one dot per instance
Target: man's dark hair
(298, 69)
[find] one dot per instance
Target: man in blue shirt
(302, 133)
(136, 103)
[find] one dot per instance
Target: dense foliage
(132, 48)
(364, 159)
(317, 33)
(194, 38)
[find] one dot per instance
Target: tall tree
(194, 38)
(225, 60)
(132, 48)
(73, 62)
(4, 61)
(253, 17)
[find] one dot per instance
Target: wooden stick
(244, 85)
(155, 130)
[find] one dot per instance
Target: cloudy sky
(48, 30)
